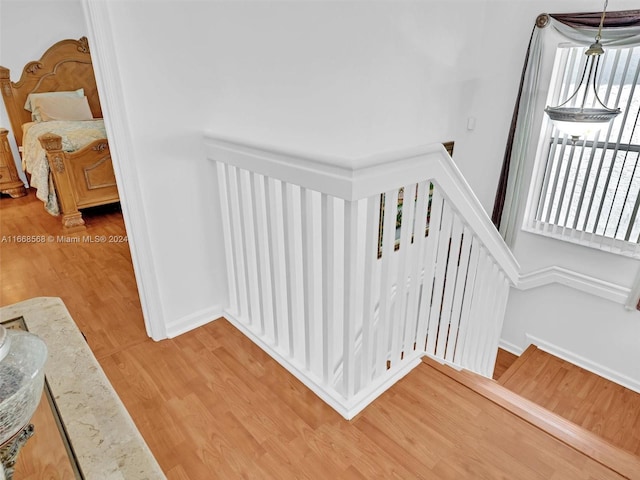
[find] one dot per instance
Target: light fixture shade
(581, 122)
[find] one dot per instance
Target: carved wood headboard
(66, 65)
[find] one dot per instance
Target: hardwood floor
(595, 403)
(95, 279)
(504, 360)
(211, 404)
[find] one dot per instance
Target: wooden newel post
(71, 216)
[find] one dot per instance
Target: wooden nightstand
(10, 183)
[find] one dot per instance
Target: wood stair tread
(597, 404)
(521, 360)
(578, 438)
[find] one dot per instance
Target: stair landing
(584, 398)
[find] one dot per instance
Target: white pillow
(29, 103)
(61, 108)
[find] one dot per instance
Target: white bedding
(75, 135)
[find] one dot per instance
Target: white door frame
(106, 70)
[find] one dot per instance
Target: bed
(56, 119)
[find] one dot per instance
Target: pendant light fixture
(578, 121)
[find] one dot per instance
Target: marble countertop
(105, 440)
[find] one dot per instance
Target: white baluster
(339, 286)
(263, 239)
(250, 249)
(238, 243)
(472, 356)
(502, 290)
(461, 295)
(466, 315)
(293, 260)
(428, 278)
(328, 285)
(449, 287)
(352, 285)
(278, 268)
(312, 304)
(371, 257)
(416, 261)
(386, 283)
(440, 277)
(228, 232)
(486, 318)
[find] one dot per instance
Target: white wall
(343, 78)
(28, 28)
(584, 329)
(47, 21)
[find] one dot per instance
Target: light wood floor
(95, 280)
(595, 403)
(211, 404)
(504, 360)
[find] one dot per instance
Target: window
(589, 192)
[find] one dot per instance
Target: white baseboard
(361, 401)
(347, 408)
(585, 283)
(290, 366)
(510, 347)
(194, 320)
(605, 372)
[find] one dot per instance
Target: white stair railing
(348, 272)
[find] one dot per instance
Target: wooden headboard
(65, 66)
